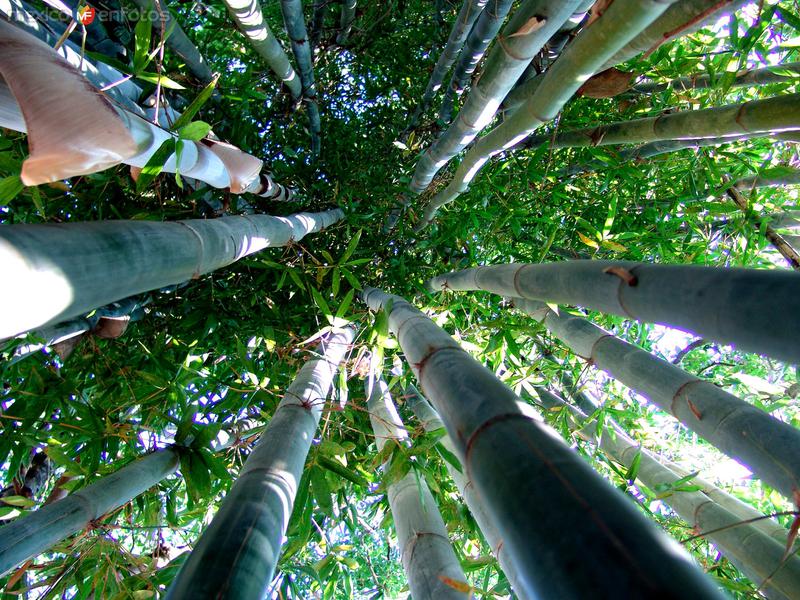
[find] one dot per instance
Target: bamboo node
(623, 274)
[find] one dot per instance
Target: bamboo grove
(450, 299)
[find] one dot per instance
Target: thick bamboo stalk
(250, 20)
(430, 421)
(346, 20)
(31, 535)
(682, 18)
(296, 28)
(730, 306)
(478, 40)
(429, 561)
(505, 64)
(550, 508)
(767, 446)
(770, 115)
(177, 40)
(760, 556)
(579, 61)
(60, 271)
(470, 10)
(785, 73)
(236, 555)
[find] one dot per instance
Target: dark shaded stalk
(34, 533)
(754, 552)
(296, 28)
(318, 21)
(478, 40)
(65, 270)
(730, 306)
(430, 564)
(470, 10)
(236, 555)
(346, 20)
(550, 508)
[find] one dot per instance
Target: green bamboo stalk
(177, 40)
(237, 554)
(346, 20)
(682, 18)
(429, 561)
(431, 422)
(318, 21)
(296, 28)
(730, 306)
(579, 61)
(469, 12)
(250, 20)
(478, 40)
(757, 554)
(64, 270)
(770, 115)
(31, 535)
(505, 64)
(785, 73)
(767, 446)
(550, 508)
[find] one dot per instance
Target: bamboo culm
(430, 420)
(579, 61)
(483, 32)
(427, 555)
(785, 73)
(770, 115)
(757, 554)
(296, 28)
(236, 555)
(767, 446)
(469, 12)
(550, 509)
(34, 533)
(64, 270)
(250, 20)
(505, 64)
(346, 20)
(727, 305)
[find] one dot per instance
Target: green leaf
(141, 50)
(10, 187)
(18, 501)
(194, 131)
(194, 107)
(633, 470)
(155, 165)
(321, 491)
(342, 471)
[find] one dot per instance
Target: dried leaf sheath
(73, 133)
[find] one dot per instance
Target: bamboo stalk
(730, 306)
(770, 115)
(31, 535)
(428, 558)
(250, 20)
(318, 20)
(467, 15)
(177, 40)
(63, 270)
(579, 61)
(767, 446)
(237, 553)
(346, 20)
(757, 554)
(550, 508)
(431, 422)
(483, 32)
(505, 64)
(296, 28)
(785, 73)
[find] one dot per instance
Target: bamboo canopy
(532, 497)
(237, 553)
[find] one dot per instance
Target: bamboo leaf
(10, 187)
(342, 471)
(194, 131)
(155, 165)
(194, 107)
